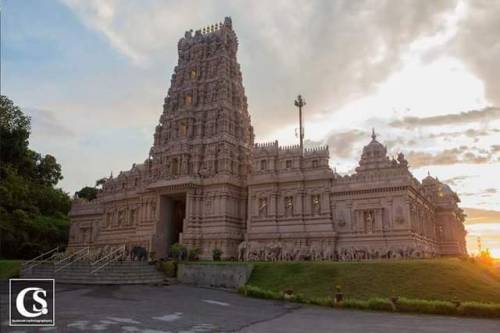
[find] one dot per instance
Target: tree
(48, 170)
(100, 182)
(33, 213)
(89, 193)
(14, 132)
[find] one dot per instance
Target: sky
(92, 74)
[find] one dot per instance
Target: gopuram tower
(202, 146)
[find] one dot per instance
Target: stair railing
(107, 259)
(38, 260)
(80, 254)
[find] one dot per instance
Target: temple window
(263, 165)
(315, 163)
(193, 74)
(288, 164)
(188, 100)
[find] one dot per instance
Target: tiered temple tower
(204, 138)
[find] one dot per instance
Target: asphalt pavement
(185, 309)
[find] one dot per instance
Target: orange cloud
(476, 215)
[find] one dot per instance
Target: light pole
(300, 102)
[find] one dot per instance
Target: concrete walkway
(186, 309)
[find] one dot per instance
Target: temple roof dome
(374, 156)
(429, 180)
(374, 149)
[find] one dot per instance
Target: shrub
(425, 306)
(485, 258)
(354, 304)
(479, 309)
(178, 251)
(323, 301)
(471, 309)
(259, 293)
(380, 304)
(194, 253)
(216, 254)
(169, 268)
(298, 298)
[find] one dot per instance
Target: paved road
(194, 310)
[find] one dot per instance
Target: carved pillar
(272, 204)
(324, 203)
(380, 225)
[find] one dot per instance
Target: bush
(216, 254)
(194, 253)
(323, 301)
(471, 309)
(298, 298)
(253, 291)
(425, 306)
(169, 268)
(354, 304)
(474, 309)
(380, 304)
(178, 251)
(485, 258)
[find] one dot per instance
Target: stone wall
(230, 276)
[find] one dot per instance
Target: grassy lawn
(437, 279)
(9, 268)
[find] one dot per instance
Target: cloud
(475, 215)
(45, 123)
(462, 154)
(334, 52)
(331, 51)
(453, 181)
(342, 144)
(471, 133)
(478, 46)
(484, 115)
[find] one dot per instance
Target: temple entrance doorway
(172, 214)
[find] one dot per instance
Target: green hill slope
(438, 279)
(9, 268)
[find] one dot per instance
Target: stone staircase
(80, 272)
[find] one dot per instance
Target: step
(114, 273)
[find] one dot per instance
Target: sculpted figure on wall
(322, 251)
